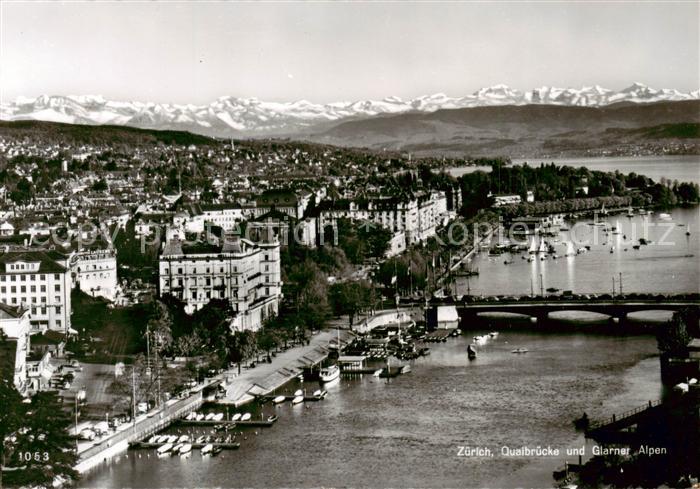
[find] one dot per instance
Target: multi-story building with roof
(14, 323)
(95, 272)
(246, 273)
(416, 216)
(39, 281)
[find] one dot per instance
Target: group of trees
(34, 439)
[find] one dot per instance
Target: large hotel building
(246, 273)
(39, 281)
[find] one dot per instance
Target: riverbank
(421, 419)
(266, 377)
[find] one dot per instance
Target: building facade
(39, 281)
(246, 273)
(14, 323)
(95, 272)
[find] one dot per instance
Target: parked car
(87, 434)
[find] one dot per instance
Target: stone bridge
(540, 309)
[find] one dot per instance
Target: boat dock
(290, 398)
(361, 371)
(210, 422)
(226, 446)
(438, 335)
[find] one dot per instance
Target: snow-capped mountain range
(232, 116)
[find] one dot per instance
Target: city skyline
(183, 53)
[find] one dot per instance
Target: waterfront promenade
(240, 389)
(266, 377)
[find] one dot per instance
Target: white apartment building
(226, 216)
(415, 216)
(41, 282)
(246, 273)
(14, 323)
(95, 272)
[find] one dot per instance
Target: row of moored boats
(182, 445)
(299, 397)
(204, 417)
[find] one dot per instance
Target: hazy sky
(188, 52)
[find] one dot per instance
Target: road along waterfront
(407, 431)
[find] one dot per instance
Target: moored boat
(236, 417)
(298, 399)
(207, 449)
(209, 417)
(520, 350)
(163, 449)
(246, 417)
(218, 417)
(298, 392)
(279, 399)
(272, 419)
(329, 373)
(185, 449)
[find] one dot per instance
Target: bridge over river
(540, 308)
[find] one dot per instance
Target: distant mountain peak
(231, 115)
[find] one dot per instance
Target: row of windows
(32, 288)
(23, 278)
(25, 300)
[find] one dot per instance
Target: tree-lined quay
(136, 263)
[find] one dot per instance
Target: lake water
(663, 266)
(684, 168)
(407, 432)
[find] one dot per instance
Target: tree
(159, 327)
(12, 409)
(674, 338)
(44, 445)
(240, 346)
(100, 185)
(351, 297)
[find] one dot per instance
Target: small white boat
(185, 449)
(200, 417)
(519, 350)
(154, 439)
(406, 369)
(246, 417)
(177, 447)
(329, 374)
(163, 449)
(183, 439)
(206, 449)
(191, 416)
(298, 400)
(236, 417)
(317, 393)
(299, 393)
(377, 372)
(665, 217)
(279, 399)
(218, 417)
(209, 417)
(172, 439)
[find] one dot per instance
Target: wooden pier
(361, 371)
(265, 423)
(226, 446)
